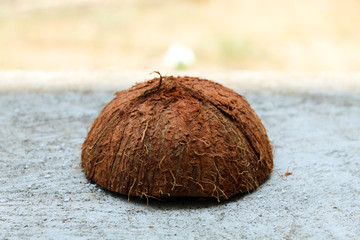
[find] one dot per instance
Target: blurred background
(211, 35)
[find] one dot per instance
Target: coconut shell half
(185, 137)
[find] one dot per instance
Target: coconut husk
(177, 136)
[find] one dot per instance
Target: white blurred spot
(179, 56)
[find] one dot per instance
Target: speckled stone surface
(44, 194)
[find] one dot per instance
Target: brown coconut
(182, 136)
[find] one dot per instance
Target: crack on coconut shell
(196, 94)
(229, 126)
(192, 138)
(226, 112)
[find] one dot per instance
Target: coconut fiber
(177, 136)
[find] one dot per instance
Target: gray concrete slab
(44, 194)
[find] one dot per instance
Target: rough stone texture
(44, 194)
(177, 136)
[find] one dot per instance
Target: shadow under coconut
(175, 203)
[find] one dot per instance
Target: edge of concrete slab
(17, 80)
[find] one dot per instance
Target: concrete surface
(314, 129)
